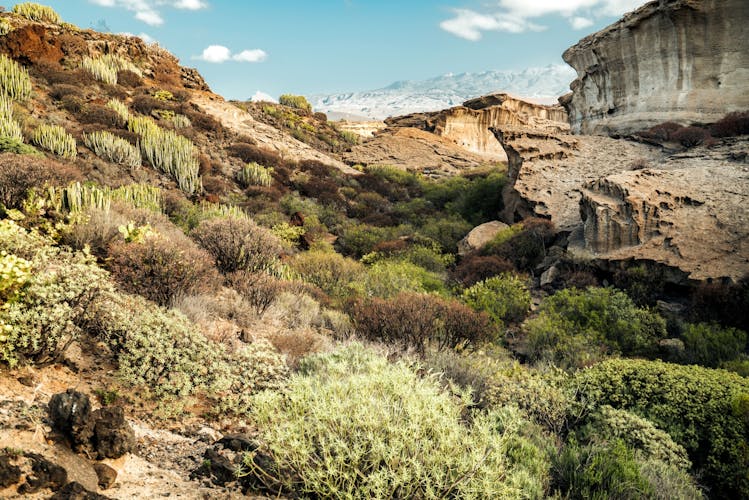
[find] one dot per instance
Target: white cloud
(514, 16)
(251, 56)
(261, 96)
(579, 23)
(219, 54)
(149, 11)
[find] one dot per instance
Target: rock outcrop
(480, 236)
(415, 150)
(670, 60)
(688, 211)
(468, 125)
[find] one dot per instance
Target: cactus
(9, 128)
(254, 174)
(14, 79)
(36, 12)
(79, 197)
(120, 108)
(112, 148)
(181, 121)
(5, 27)
(105, 68)
(169, 152)
(55, 139)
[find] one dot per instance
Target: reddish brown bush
(20, 173)
(129, 79)
(415, 321)
(54, 74)
(690, 137)
(661, 132)
(95, 113)
(249, 153)
(238, 244)
(474, 268)
(259, 290)
(61, 90)
(733, 124)
(116, 91)
(202, 121)
(206, 165)
(391, 247)
(161, 269)
(145, 104)
(725, 303)
(72, 104)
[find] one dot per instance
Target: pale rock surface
(469, 125)
(670, 60)
(480, 236)
(268, 137)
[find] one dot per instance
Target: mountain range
(541, 85)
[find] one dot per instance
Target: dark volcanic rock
(44, 475)
(70, 413)
(76, 491)
(107, 475)
(113, 436)
(9, 474)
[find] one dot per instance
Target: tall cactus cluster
(169, 152)
(56, 140)
(254, 174)
(35, 12)
(79, 197)
(104, 68)
(9, 128)
(120, 108)
(14, 79)
(112, 148)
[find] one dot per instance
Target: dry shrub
(60, 90)
(238, 244)
(639, 164)
(94, 113)
(55, 74)
(474, 268)
(296, 310)
(72, 104)
(661, 132)
(297, 344)
(690, 137)
(145, 104)
(733, 124)
(129, 79)
(214, 184)
(412, 320)
(249, 153)
(259, 290)
(162, 269)
(201, 121)
(117, 91)
(527, 248)
(20, 173)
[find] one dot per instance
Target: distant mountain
(541, 85)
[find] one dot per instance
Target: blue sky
(328, 46)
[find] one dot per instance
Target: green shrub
(577, 327)
(447, 231)
(330, 271)
(379, 431)
(505, 298)
(169, 152)
(637, 433)
(708, 344)
(295, 101)
(111, 148)
(161, 269)
(358, 240)
(13, 146)
(417, 321)
(37, 12)
(523, 244)
(162, 353)
(254, 174)
(51, 293)
(56, 140)
(14, 79)
(696, 406)
(238, 244)
(387, 278)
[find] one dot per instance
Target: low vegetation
(37, 12)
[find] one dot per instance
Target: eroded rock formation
(670, 60)
(623, 200)
(469, 125)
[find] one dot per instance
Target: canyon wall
(670, 60)
(469, 125)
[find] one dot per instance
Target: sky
(330, 46)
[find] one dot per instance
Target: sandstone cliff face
(469, 125)
(689, 211)
(670, 60)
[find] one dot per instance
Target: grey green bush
(56, 140)
(112, 148)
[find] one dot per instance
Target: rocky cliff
(670, 60)
(469, 125)
(623, 200)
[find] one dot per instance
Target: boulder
(670, 60)
(106, 474)
(70, 413)
(113, 437)
(480, 236)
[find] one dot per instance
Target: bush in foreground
(382, 432)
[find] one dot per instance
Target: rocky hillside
(670, 60)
